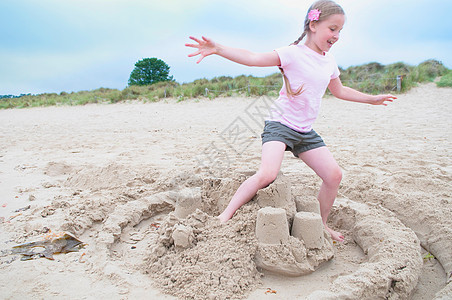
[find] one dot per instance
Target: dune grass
(377, 78)
(369, 78)
(445, 80)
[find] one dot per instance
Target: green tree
(148, 71)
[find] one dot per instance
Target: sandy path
(79, 167)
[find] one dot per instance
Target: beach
(140, 185)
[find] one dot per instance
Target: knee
(266, 178)
(334, 177)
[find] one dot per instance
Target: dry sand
(140, 184)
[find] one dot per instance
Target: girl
(307, 71)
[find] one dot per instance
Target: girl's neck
(311, 45)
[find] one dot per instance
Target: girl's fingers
(202, 45)
(192, 45)
(199, 60)
(194, 54)
(195, 39)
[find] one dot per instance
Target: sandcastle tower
(307, 204)
(187, 201)
(271, 226)
(278, 195)
(308, 226)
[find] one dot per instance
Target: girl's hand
(382, 99)
(205, 48)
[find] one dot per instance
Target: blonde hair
(327, 8)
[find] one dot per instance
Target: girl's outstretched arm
(208, 47)
(349, 94)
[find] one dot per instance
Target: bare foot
(223, 219)
(336, 236)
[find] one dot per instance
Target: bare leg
(325, 166)
(272, 156)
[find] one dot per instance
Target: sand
(141, 184)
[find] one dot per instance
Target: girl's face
(325, 33)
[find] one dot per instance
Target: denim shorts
(296, 142)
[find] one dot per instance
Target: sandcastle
(291, 239)
(307, 246)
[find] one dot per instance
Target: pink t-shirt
(303, 66)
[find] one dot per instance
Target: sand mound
(394, 254)
(200, 254)
(58, 168)
(98, 178)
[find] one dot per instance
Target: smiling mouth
(330, 43)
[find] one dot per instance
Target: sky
(50, 46)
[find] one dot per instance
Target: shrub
(445, 80)
(429, 70)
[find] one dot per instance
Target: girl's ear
(312, 26)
